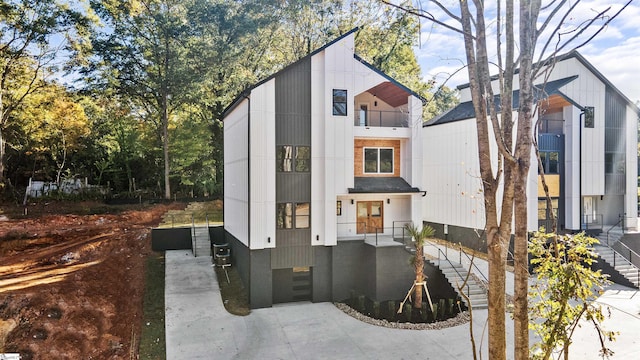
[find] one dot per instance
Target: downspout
(580, 122)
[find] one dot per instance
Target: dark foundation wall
(321, 274)
(394, 273)
(163, 239)
(254, 267)
(471, 238)
(347, 265)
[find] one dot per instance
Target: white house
(587, 135)
(323, 167)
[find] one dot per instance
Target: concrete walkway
(198, 326)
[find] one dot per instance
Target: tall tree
(34, 35)
(504, 171)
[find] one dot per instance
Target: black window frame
(589, 117)
(295, 218)
(339, 102)
(289, 158)
(378, 162)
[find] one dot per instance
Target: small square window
(285, 158)
(303, 158)
(302, 216)
(589, 117)
(339, 208)
(284, 216)
(340, 102)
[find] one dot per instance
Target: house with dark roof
(323, 169)
(586, 131)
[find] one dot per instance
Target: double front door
(370, 217)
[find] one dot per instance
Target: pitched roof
(541, 91)
(247, 91)
(388, 185)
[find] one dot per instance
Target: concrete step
(455, 274)
(622, 265)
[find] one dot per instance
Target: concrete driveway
(198, 326)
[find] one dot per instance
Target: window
(550, 162)
(340, 102)
(285, 162)
(378, 161)
(292, 215)
(339, 208)
(589, 114)
(303, 157)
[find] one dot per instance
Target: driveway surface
(198, 326)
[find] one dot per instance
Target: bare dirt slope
(71, 286)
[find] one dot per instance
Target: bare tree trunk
(2, 155)
(165, 147)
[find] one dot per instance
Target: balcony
(374, 118)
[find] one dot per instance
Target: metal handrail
(473, 263)
(453, 267)
(393, 224)
(631, 254)
(620, 220)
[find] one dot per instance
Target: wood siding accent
(358, 157)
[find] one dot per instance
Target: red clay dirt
(71, 286)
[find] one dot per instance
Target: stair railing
(462, 278)
(620, 221)
(628, 260)
(473, 263)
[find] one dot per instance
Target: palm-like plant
(419, 236)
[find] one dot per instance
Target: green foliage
(564, 290)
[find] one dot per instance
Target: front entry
(370, 217)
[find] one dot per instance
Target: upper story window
(292, 215)
(378, 160)
(339, 102)
(589, 117)
(293, 158)
(550, 162)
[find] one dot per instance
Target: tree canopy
(130, 94)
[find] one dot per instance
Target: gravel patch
(461, 318)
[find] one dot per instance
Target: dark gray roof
(575, 54)
(465, 110)
(381, 185)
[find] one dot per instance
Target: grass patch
(234, 295)
(152, 339)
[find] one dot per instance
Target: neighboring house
(587, 136)
(323, 163)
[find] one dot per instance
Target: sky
(615, 51)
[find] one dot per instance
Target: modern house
(587, 137)
(323, 168)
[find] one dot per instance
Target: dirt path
(71, 286)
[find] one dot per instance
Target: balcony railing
(375, 118)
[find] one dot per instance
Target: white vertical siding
(236, 176)
(321, 198)
(263, 169)
(451, 175)
(573, 207)
(631, 192)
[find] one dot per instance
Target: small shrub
(376, 309)
(442, 308)
(361, 303)
(407, 311)
(434, 313)
(424, 313)
(392, 309)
